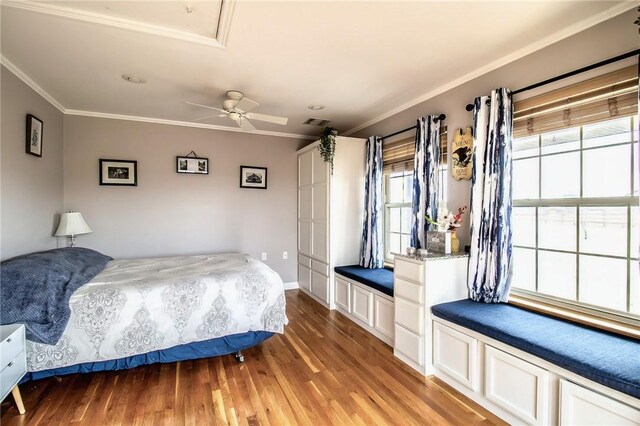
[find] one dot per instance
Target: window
(398, 187)
(575, 216)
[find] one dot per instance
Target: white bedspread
(136, 306)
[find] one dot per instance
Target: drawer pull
(10, 364)
(9, 340)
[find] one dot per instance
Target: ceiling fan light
(234, 116)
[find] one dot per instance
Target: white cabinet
(456, 354)
(13, 362)
(581, 407)
(330, 210)
(418, 285)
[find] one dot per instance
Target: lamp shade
(72, 223)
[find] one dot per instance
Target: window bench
(365, 296)
(526, 366)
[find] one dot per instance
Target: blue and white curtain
(371, 249)
(491, 198)
(425, 179)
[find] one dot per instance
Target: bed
(137, 311)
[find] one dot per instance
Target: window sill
(575, 316)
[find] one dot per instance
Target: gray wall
(610, 38)
(170, 213)
(31, 187)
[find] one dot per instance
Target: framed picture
(192, 165)
(253, 177)
(34, 135)
(118, 172)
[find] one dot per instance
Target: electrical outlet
(285, 255)
(264, 255)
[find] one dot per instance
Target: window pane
(524, 226)
(524, 268)
(636, 167)
(607, 172)
(394, 243)
(525, 179)
(561, 141)
(634, 298)
(635, 241)
(603, 230)
(408, 188)
(561, 176)
(405, 226)
(395, 189)
(607, 132)
(394, 219)
(557, 228)
(557, 274)
(635, 128)
(525, 147)
(404, 243)
(603, 282)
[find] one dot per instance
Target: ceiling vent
(316, 122)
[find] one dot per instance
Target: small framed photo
(192, 165)
(34, 135)
(118, 172)
(253, 177)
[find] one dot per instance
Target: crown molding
(612, 12)
(32, 84)
(224, 21)
(184, 124)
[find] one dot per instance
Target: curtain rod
(441, 117)
(469, 107)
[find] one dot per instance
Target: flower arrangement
(448, 221)
(327, 146)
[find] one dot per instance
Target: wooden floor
(323, 370)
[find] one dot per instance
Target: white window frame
(388, 257)
(622, 201)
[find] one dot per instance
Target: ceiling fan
(237, 108)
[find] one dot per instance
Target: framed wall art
(192, 165)
(34, 135)
(253, 177)
(118, 172)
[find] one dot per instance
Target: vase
(455, 242)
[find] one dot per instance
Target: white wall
(31, 186)
(608, 39)
(173, 214)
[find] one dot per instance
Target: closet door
(320, 208)
(305, 202)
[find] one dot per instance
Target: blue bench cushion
(609, 359)
(380, 279)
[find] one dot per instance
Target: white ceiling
(361, 59)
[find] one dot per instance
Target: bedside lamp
(72, 224)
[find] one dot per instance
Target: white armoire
(330, 211)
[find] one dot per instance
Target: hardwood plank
(324, 370)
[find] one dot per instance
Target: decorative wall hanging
(118, 172)
(253, 177)
(34, 135)
(192, 164)
(461, 163)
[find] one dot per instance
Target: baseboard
(291, 286)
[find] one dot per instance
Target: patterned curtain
(491, 198)
(371, 250)
(425, 179)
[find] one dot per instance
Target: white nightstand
(13, 362)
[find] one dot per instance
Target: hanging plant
(327, 145)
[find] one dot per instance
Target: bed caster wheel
(239, 357)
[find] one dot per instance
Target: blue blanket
(35, 289)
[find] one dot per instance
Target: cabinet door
(581, 406)
(456, 354)
(320, 286)
(320, 168)
(517, 386)
(343, 294)
(319, 240)
(305, 170)
(362, 304)
(304, 277)
(304, 203)
(383, 312)
(304, 238)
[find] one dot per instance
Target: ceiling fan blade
(205, 106)
(246, 105)
(211, 116)
(268, 118)
(245, 124)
